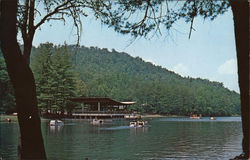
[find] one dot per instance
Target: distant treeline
(68, 71)
(7, 99)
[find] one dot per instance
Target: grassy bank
(3, 118)
(158, 116)
(152, 116)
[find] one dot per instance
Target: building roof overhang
(103, 101)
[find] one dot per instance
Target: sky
(210, 53)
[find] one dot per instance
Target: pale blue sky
(210, 53)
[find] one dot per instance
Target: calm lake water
(165, 138)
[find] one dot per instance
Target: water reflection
(138, 130)
(55, 129)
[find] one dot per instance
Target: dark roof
(103, 101)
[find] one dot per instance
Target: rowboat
(97, 121)
(56, 123)
(139, 123)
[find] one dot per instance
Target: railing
(103, 112)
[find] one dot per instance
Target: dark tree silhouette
(241, 28)
(31, 142)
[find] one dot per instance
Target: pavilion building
(100, 108)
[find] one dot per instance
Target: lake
(164, 138)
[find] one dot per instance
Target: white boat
(97, 121)
(137, 123)
(212, 118)
(195, 116)
(132, 124)
(56, 123)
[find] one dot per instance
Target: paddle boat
(132, 124)
(212, 118)
(56, 123)
(195, 116)
(139, 123)
(97, 121)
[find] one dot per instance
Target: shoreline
(14, 118)
(159, 116)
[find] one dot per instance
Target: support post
(99, 106)
(82, 104)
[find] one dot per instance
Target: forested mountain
(101, 73)
(155, 89)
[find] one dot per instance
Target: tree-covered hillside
(155, 89)
(101, 73)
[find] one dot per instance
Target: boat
(195, 116)
(97, 121)
(132, 124)
(212, 118)
(56, 122)
(139, 123)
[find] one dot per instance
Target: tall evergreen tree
(54, 77)
(41, 66)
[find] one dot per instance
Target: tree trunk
(27, 49)
(241, 17)
(31, 142)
